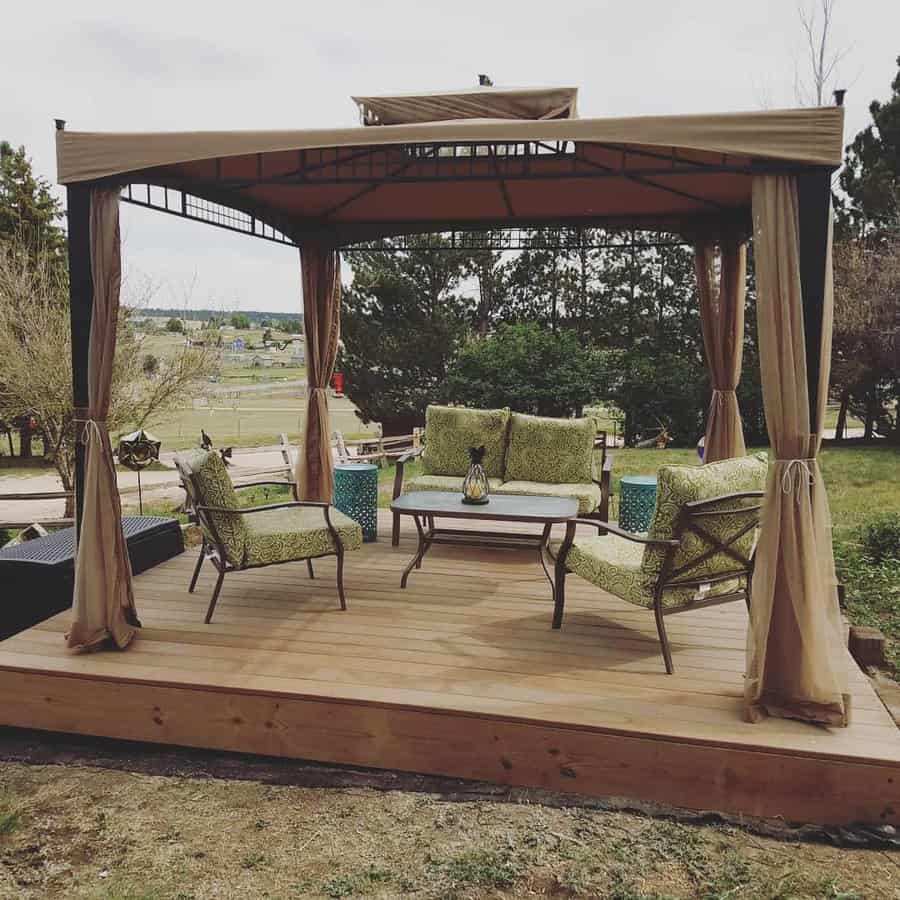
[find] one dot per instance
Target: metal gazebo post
(81, 298)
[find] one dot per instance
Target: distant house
(262, 362)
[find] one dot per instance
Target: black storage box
(36, 578)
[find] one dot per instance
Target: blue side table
(356, 495)
(637, 500)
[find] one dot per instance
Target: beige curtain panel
(321, 271)
(796, 660)
(722, 321)
(104, 602)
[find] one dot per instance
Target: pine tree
(29, 213)
(871, 174)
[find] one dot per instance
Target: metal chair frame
(691, 520)
(213, 547)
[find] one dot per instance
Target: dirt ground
(113, 821)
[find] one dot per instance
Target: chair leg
(559, 596)
(310, 567)
(395, 531)
(215, 597)
(340, 576)
(664, 639)
(197, 568)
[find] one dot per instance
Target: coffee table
(426, 506)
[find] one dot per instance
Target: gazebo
(489, 159)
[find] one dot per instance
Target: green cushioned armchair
(236, 538)
(524, 455)
(698, 552)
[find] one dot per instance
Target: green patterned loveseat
(525, 455)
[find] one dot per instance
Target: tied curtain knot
(798, 473)
(719, 395)
(92, 432)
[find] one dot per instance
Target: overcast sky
(189, 65)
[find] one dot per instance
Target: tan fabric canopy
(812, 136)
(471, 103)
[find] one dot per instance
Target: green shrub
(881, 538)
(527, 368)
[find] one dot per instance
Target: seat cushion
(610, 562)
(677, 485)
(282, 535)
(444, 483)
(451, 430)
(587, 495)
(552, 451)
(614, 564)
(212, 487)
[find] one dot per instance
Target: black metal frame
(219, 197)
(474, 538)
(199, 209)
(518, 238)
(213, 548)
(195, 208)
(690, 520)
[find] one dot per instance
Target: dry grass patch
(80, 832)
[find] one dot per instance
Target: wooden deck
(458, 675)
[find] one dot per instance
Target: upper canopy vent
(470, 103)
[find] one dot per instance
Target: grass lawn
(83, 831)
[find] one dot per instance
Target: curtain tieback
(719, 395)
(91, 430)
(797, 474)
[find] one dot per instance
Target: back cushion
(552, 451)
(214, 488)
(451, 430)
(677, 485)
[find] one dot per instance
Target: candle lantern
(475, 484)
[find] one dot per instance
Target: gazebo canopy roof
(469, 103)
(658, 172)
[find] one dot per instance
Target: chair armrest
(247, 484)
(603, 528)
(398, 469)
(410, 454)
(265, 508)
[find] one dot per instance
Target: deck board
(466, 651)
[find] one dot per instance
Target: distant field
(245, 405)
(256, 420)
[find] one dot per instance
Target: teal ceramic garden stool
(637, 499)
(356, 495)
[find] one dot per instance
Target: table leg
(543, 553)
(416, 561)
